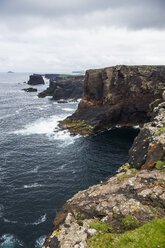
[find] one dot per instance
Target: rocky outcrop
(124, 96)
(29, 89)
(119, 95)
(35, 80)
(66, 88)
(135, 196)
(149, 145)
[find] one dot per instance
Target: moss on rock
(76, 126)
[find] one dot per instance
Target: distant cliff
(68, 87)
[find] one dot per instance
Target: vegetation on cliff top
(150, 235)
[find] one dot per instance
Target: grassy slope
(150, 235)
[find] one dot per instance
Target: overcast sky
(66, 35)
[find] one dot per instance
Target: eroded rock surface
(140, 194)
(119, 95)
(149, 145)
(65, 88)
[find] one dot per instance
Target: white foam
(136, 127)
(68, 109)
(39, 242)
(40, 126)
(35, 170)
(48, 127)
(10, 241)
(10, 221)
(33, 185)
(40, 220)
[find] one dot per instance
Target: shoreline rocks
(30, 89)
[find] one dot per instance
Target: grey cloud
(134, 14)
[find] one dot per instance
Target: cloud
(61, 36)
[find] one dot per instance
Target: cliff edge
(128, 209)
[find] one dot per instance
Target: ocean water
(39, 168)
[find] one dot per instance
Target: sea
(40, 168)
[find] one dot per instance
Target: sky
(61, 36)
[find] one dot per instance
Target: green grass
(150, 235)
(100, 226)
(161, 130)
(71, 75)
(159, 165)
(129, 222)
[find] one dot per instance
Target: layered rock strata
(119, 95)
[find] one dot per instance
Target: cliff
(119, 95)
(128, 209)
(101, 215)
(125, 96)
(68, 87)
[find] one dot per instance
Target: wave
(39, 242)
(68, 109)
(42, 219)
(10, 221)
(33, 185)
(35, 170)
(48, 127)
(10, 241)
(40, 126)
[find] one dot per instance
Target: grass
(161, 130)
(159, 165)
(129, 222)
(150, 235)
(100, 226)
(70, 75)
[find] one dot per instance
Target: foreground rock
(30, 90)
(119, 95)
(65, 88)
(149, 145)
(140, 195)
(35, 80)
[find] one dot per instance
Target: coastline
(127, 201)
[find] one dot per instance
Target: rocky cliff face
(119, 95)
(124, 202)
(65, 88)
(125, 95)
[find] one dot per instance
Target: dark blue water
(40, 169)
